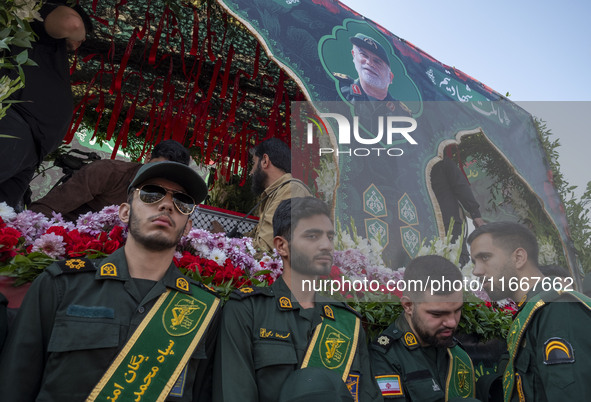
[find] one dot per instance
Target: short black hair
(433, 274)
(171, 150)
(510, 236)
(278, 152)
(290, 211)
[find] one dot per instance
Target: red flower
(9, 238)
(111, 246)
(335, 272)
(60, 231)
(117, 234)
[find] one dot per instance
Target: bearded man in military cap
(374, 75)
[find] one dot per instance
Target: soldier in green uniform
(417, 358)
(128, 326)
(268, 334)
(548, 343)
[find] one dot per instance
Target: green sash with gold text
(151, 361)
(460, 375)
(334, 342)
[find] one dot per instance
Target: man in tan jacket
(272, 182)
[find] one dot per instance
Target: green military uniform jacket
(263, 338)
(281, 189)
(352, 91)
(553, 360)
(73, 322)
(406, 371)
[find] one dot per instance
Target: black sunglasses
(152, 193)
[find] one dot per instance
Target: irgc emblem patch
(182, 284)
(284, 302)
(183, 314)
(108, 269)
(328, 312)
(333, 347)
(410, 339)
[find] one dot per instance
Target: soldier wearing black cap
(374, 75)
(127, 327)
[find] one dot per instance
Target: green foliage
(577, 210)
(485, 320)
(479, 319)
(15, 38)
(25, 268)
(377, 316)
(511, 193)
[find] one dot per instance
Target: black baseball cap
(177, 173)
(369, 43)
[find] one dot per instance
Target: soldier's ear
(124, 210)
(391, 77)
(281, 245)
(519, 257)
(406, 304)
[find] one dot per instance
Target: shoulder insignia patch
(109, 270)
(383, 340)
(328, 312)
(212, 290)
(390, 385)
(356, 89)
(182, 284)
(410, 339)
(285, 303)
(75, 265)
(383, 343)
(248, 291)
(557, 351)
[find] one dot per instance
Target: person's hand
(216, 227)
(478, 222)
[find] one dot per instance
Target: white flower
(6, 212)
(218, 256)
